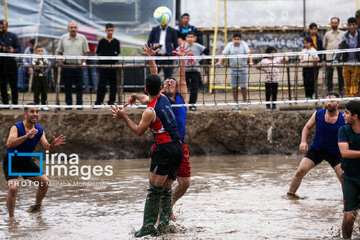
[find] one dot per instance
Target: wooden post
(289, 82)
(296, 83)
(120, 83)
(57, 88)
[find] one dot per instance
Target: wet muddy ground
(231, 197)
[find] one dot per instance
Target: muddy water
(231, 197)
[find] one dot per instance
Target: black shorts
(166, 159)
(317, 156)
(351, 193)
(19, 167)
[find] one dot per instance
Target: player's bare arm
(150, 52)
(14, 140)
(147, 117)
(56, 141)
(305, 133)
(346, 152)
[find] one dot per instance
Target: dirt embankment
(99, 136)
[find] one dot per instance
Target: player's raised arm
(150, 52)
(182, 88)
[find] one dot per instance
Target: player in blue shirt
(23, 138)
(324, 145)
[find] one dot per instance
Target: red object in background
(91, 36)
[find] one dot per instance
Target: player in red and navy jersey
(176, 91)
(165, 160)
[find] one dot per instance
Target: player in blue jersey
(176, 91)
(324, 145)
(23, 138)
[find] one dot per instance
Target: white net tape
(215, 90)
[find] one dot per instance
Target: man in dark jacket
(185, 27)
(9, 43)
(351, 74)
(164, 37)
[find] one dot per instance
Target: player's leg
(13, 185)
(335, 162)
(43, 185)
(159, 171)
(304, 167)
(183, 179)
(339, 172)
(351, 202)
(176, 151)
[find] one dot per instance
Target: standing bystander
(331, 41)
(73, 44)
(108, 46)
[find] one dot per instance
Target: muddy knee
(45, 184)
(300, 173)
(185, 184)
(13, 189)
(349, 218)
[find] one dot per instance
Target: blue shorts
(239, 77)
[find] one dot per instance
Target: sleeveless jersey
(163, 127)
(29, 144)
(180, 115)
(326, 134)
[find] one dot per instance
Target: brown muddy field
(231, 197)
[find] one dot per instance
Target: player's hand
(218, 63)
(182, 50)
(131, 100)
(303, 147)
(117, 112)
(11, 50)
(149, 51)
(31, 133)
(60, 140)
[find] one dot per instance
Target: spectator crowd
(36, 72)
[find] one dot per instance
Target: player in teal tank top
(349, 144)
(23, 137)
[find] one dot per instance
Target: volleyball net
(277, 78)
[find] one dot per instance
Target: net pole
(214, 47)
(57, 89)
